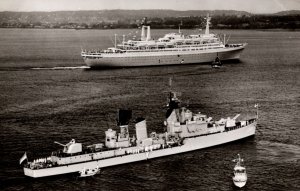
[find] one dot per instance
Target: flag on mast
(256, 106)
(24, 157)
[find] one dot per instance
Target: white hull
(189, 144)
(240, 180)
(239, 183)
(158, 58)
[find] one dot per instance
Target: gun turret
(71, 147)
(209, 119)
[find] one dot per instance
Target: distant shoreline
(274, 30)
(157, 19)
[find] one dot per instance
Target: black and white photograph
(175, 95)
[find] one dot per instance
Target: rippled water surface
(59, 99)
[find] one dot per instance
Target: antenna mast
(115, 40)
(207, 24)
(170, 83)
(256, 106)
(179, 27)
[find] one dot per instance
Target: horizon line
(148, 10)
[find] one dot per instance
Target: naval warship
(185, 131)
(171, 49)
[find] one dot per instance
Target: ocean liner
(172, 49)
(184, 131)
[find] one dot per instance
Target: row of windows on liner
(160, 60)
(169, 50)
(141, 58)
(154, 50)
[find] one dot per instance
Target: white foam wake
(62, 68)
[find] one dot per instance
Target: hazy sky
(253, 6)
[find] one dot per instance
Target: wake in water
(62, 68)
(278, 152)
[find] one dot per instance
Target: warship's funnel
(141, 129)
(124, 116)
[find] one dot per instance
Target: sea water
(47, 95)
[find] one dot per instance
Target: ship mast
(179, 27)
(238, 160)
(170, 84)
(256, 106)
(123, 39)
(115, 40)
(207, 24)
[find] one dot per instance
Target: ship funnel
(141, 129)
(148, 33)
(124, 116)
(143, 37)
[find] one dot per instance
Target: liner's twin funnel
(143, 37)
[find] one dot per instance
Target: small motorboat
(240, 175)
(216, 63)
(85, 172)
